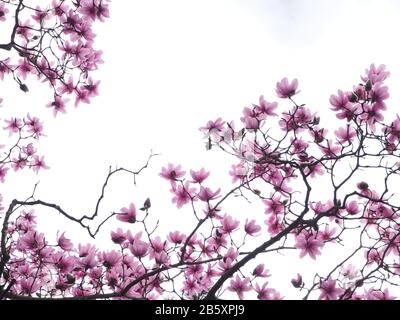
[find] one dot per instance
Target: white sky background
(170, 66)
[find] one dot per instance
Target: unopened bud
(353, 97)
(23, 87)
(368, 85)
(362, 185)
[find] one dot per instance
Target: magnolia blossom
(127, 214)
(251, 227)
(199, 176)
(284, 89)
(329, 290)
(240, 286)
(309, 245)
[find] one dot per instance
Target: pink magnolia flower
(19, 163)
(379, 210)
(191, 286)
(88, 9)
(85, 250)
(5, 68)
(284, 89)
(68, 86)
(182, 195)
(29, 217)
(315, 169)
(231, 254)
(319, 207)
(157, 246)
(329, 291)
(379, 94)
(40, 15)
(26, 270)
(31, 240)
(30, 285)
(89, 261)
(206, 194)
(375, 75)
(139, 248)
(228, 224)
(240, 286)
(13, 125)
(82, 292)
(372, 256)
(3, 172)
(340, 102)
(352, 207)
(264, 293)
(81, 96)
(92, 87)
(118, 236)
(110, 259)
(345, 135)
(58, 105)
(238, 172)
(376, 294)
(29, 150)
(260, 271)
(194, 270)
(199, 176)
(218, 240)
(60, 8)
(298, 145)
(64, 264)
(349, 271)
(318, 134)
(251, 123)
(330, 150)
(308, 244)
(64, 243)
(213, 126)
(3, 12)
(127, 214)
(251, 227)
(24, 68)
(176, 237)
(327, 234)
(102, 10)
(298, 281)
(274, 225)
(372, 114)
(38, 163)
(274, 205)
(172, 173)
(266, 108)
(35, 126)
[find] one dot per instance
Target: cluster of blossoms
(283, 173)
(53, 42)
(22, 152)
(136, 269)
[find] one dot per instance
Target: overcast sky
(172, 65)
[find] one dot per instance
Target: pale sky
(172, 65)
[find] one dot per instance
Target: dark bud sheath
(368, 85)
(354, 97)
(23, 87)
(146, 205)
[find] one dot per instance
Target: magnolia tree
(281, 161)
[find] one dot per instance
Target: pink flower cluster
(54, 44)
(22, 153)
